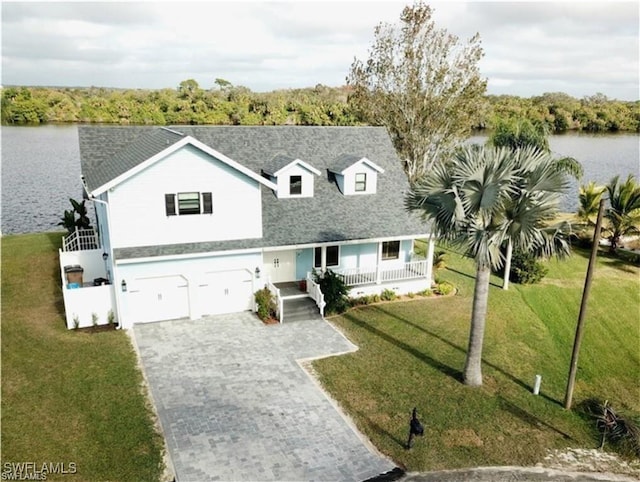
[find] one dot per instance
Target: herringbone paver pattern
(235, 404)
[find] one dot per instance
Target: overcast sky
(580, 48)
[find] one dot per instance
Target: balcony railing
(372, 275)
(81, 240)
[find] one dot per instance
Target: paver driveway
(234, 403)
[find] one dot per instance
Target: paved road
(235, 404)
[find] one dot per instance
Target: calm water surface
(41, 170)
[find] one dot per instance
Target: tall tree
(468, 203)
(517, 134)
(623, 213)
(422, 84)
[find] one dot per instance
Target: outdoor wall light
(105, 256)
(123, 285)
(257, 272)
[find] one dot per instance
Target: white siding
(137, 206)
(347, 182)
(295, 170)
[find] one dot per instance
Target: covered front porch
(366, 268)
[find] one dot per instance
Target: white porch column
(430, 247)
(378, 263)
(323, 259)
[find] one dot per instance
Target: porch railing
(314, 291)
(369, 274)
(80, 240)
(279, 301)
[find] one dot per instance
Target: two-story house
(191, 221)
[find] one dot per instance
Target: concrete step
(300, 309)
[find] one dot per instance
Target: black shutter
(207, 203)
(170, 204)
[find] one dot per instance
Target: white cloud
(530, 48)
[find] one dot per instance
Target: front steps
(300, 309)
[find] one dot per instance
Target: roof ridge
(173, 131)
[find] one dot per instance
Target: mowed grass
(412, 354)
(67, 396)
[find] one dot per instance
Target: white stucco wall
(137, 206)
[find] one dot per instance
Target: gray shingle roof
(108, 152)
(327, 216)
(343, 161)
(276, 163)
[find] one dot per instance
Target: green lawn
(412, 354)
(67, 396)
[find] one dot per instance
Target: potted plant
(303, 285)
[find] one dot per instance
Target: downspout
(113, 262)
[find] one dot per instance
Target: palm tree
(623, 214)
(474, 202)
(589, 199)
(517, 134)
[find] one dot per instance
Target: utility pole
(583, 308)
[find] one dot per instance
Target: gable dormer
(294, 178)
(356, 174)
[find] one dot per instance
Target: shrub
(440, 260)
(375, 298)
(445, 288)
(266, 304)
(361, 300)
(426, 292)
(526, 269)
(76, 322)
(388, 295)
(622, 431)
(411, 295)
(94, 319)
(335, 291)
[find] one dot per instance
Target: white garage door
(157, 299)
(226, 292)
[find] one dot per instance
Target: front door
(280, 266)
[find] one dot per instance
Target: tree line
(227, 104)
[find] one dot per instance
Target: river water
(41, 170)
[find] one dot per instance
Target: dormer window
(295, 185)
(293, 176)
(355, 175)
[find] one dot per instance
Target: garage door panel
(226, 292)
(157, 299)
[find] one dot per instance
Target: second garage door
(226, 292)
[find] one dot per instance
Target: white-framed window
(390, 250)
(361, 182)
(295, 185)
(333, 256)
(185, 203)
